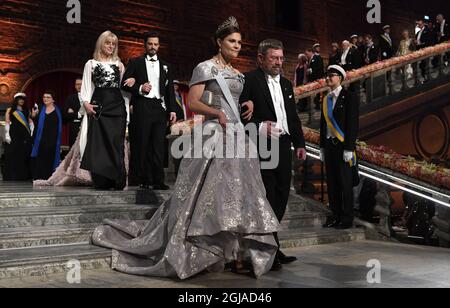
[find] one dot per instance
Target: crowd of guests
(358, 51)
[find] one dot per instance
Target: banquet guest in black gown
(103, 130)
(46, 138)
(18, 130)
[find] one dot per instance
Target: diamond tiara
(229, 23)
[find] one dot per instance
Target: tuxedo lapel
(143, 68)
(388, 40)
(265, 88)
(285, 90)
(162, 77)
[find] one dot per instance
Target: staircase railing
(386, 82)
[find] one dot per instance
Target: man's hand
(247, 115)
(348, 156)
(301, 154)
(173, 118)
(146, 88)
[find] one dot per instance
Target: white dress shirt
(344, 56)
(389, 38)
(443, 28)
(153, 73)
(335, 94)
(278, 101)
(419, 36)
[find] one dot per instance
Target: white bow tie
(153, 59)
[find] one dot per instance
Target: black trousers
(339, 182)
(74, 129)
(149, 140)
(278, 181)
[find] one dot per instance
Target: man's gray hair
(265, 45)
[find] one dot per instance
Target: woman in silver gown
(218, 213)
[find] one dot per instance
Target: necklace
(218, 61)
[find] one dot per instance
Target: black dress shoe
(161, 187)
(331, 223)
(277, 266)
(285, 259)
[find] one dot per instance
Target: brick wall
(36, 38)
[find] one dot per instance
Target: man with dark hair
(371, 51)
(153, 102)
(71, 114)
(276, 116)
(315, 69)
(424, 39)
(424, 35)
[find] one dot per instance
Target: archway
(60, 82)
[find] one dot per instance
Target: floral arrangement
(387, 158)
(319, 84)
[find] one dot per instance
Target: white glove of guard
(348, 156)
(7, 135)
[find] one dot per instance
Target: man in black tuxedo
(153, 104)
(387, 48)
(316, 66)
(358, 49)
(371, 51)
(424, 39)
(337, 148)
(443, 33)
(349, 56)
(315, 70)
(71, 113)
(276, 116)
(443, 29)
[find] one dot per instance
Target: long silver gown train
(218, 212)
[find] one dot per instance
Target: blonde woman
(103, 130)
(69, 172)
(406, 47)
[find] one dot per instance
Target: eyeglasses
(331, 75)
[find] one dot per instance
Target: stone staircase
(41, 230)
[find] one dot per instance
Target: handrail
(395, 180)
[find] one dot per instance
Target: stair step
(59, 196)
(302, 219)
(66, 215)
(42, 261)
(303, 237)
(26, 237)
